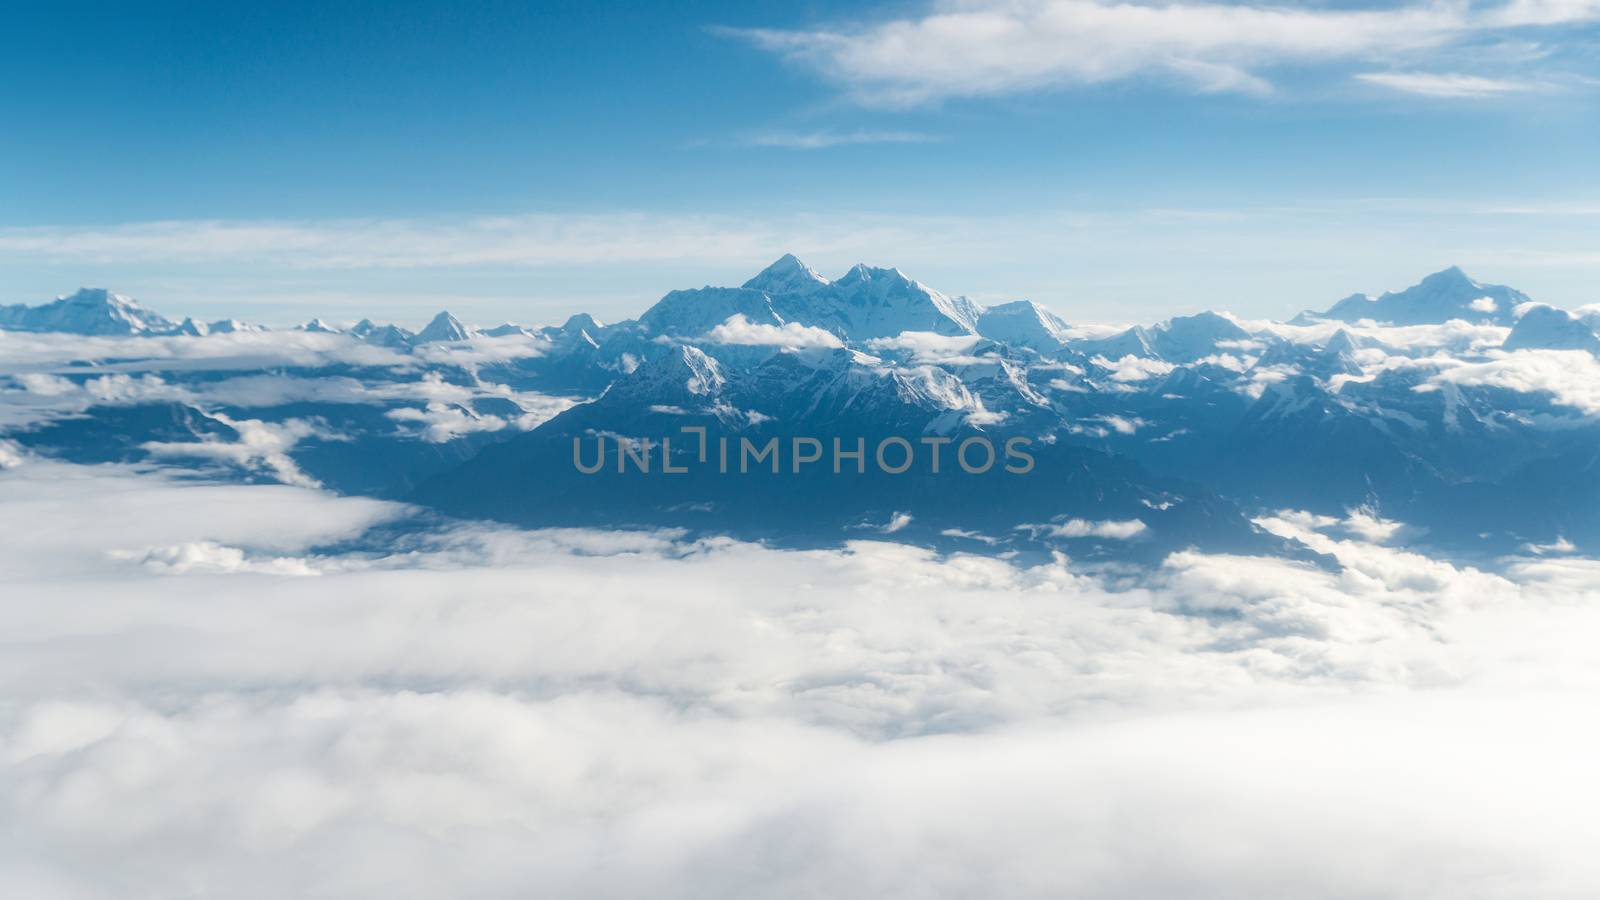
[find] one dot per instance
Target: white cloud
(262, 446)
(1227, 361)
(80, 512)
(1078, 528)
(992, 47)
(897, 522)
(1368, 525)
(1456, 335)
(439, 423)
(442, 410)
(1133, 368)
(821, 140)
(928, 346)
(739, 330)
(1430, 84)
(1544, 12)
(211, 557)
(480, 350)
(1122, 424)
(611, 714)
(1570, 377)
(21, 352)
(1559, 546)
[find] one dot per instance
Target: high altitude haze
(510, 160)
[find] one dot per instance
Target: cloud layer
(483, 712)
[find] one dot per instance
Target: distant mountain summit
(1440, 297)
(1023, 323)
(1188, 338)
(787, 276)
(863, 304)
(867, 303)
(1547, 328)
(391, 336)
(444, 327)
(90, 311)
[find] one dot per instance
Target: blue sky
(515, 160)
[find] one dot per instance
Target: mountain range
(1454, 414)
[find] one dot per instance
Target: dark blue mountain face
(1475, 419)
(103, 434)
(750, 484)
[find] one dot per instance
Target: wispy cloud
(538, 267)
(523, 240)
(1542, 12)
(989, 48)
(611, 239)
(821, 140)
(1430, 84)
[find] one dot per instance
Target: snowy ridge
(1472, 414)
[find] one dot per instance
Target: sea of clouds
(214, 689)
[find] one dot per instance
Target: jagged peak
(231, 326)
(103, 299)
(1207, 315)
(861, 272)
(582, 322)
(1024, 323)
(1451, 281)
(98, 295)
(684, 365)
(1208, 320)
(1020, 307)
(1453, 274)
(787, 275)
(1341, 343)
(1544, 327)
(444, 327)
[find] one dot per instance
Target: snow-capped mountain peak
(93, 311)
(1133, 342)
(868, 302)
(1186, 338)
(392, 336)
(1023, 323)
(788, 275)
(582, 322)
(1319, 418)
(692, 313)
(1447, 294)
(231, 326)
(1547, 328)
(318, 326)
(680, 374)
(864, 304)
(444, 327)
(1341, 344)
